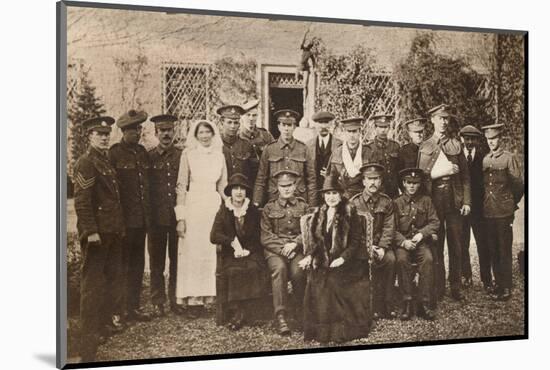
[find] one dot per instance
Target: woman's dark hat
(332, 183)
(237, 179)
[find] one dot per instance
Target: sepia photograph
(239, 184)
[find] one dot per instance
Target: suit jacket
(476, 181)
(320, 159)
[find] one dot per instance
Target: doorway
(283, 98)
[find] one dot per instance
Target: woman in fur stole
(337, 298)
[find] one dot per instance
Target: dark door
(283, 98)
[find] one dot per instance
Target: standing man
(380, 207)
(416, 221)
(131, 162)
(283, 249)
(448, 182)
(258, 137)
(286, 153)
(323, 145)
(385, 151)
(408, 153)
(100, 228)
(239, 154)
(503, 182)
(165, 162)
(474, 153)
(346, 160)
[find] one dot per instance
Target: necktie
(469, 157)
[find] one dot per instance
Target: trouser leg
(484, 256)
(504, 248)
(135, 244)
(157, 262)
(454, 235)
(114, 278)
(173, 261)
(425, 270)
(298, 279)
(92, 296)
(465, 243)
(383, 279)
(404, 272)
(279, 282)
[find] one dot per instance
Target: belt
(442, 182)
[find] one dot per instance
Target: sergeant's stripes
(84, 183)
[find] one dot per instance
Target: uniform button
(141, 186)
(114, 180)
(289, 222)
(168, 174)
(168, 184)
(490, 183)
(169, 194)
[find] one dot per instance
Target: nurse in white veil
(201, 179)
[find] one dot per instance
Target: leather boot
(407, 311)
(282, 326)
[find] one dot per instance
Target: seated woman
(237, 228)
(337, 298)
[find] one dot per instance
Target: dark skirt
(337, 304)
(245, 277)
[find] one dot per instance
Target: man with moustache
(385, 152)
(283, 248)
(100, 229)
(474, 152)
(346, 160)
(408, 153)
(323, 145)
(503, 182)
(258, 137)
(239, 154)
(286, 153)
(373, 203)
(448, 183)
(165, 162)
(131, 163)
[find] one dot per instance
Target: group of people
(242, 215)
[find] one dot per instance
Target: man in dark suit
(323, 145)
(474, 152)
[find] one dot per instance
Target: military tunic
(385, 152)
(351, 185)
(503, 190)
(285, 156)
(380, 207)
(258, 138)
(407, 156)
(131, 163)
(239, 156)
(163, 178)
(414, 215)
(280, 224)
(98, 210)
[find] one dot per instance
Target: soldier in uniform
(385, 151)
(504, 189)
(165, 161)
(447, 180)
(286, 153)
(131, 163)
(416, 221)
(100, 229)
(323, 145)
(281, 238)
(408, 153)
(239, 154)
(258, 137)
(474, 152)
(380, 207)
(346, 160)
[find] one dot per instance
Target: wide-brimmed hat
(237, 179)
(332, 183)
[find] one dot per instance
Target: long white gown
(203, 173)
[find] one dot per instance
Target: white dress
(201, 180)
